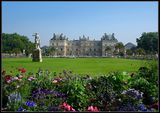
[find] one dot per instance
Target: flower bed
(69, 92)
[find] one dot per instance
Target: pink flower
(67, 107)
(31, 78)
(64, 104)
(92, 108)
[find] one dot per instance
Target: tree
(129, 52)
(148, 41)
(140, 51)
(120, 48)
(16, 51)
(108, 49)
(50, 50)
(29, 48)
(16, 43)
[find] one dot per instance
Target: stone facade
(83, 47)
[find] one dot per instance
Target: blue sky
(128, 20)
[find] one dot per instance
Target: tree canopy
(15, 43)
(148, 42)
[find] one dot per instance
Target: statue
(37, 40)
(37, 56)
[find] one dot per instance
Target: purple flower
(133, 93)
(30, 104)
(127, 107)
(142, 107)
(21, 109)
(58, 94)
(53, 108)
(47, 92)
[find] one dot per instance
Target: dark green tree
(15, 43)
(140, 51)
(148, 42)
(129, 52)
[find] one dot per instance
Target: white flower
(20, 76)
(17, 86)
(15, 78)
(54, 81)
(8, 81)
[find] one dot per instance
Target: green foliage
(140, 51)
(148, 41)
(15, 43)
(105, 88)
(129, 52)
(74, 87)
(146, 80)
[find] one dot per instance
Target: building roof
(129, 45)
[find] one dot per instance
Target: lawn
(92, 66)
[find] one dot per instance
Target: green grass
(78, 65)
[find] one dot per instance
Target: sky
(127, 20)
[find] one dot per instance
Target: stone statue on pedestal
(37, 56)
(37, 41)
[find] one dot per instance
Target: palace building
(84, 46)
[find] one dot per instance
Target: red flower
(22, 70)
(8, 78)
(92, 108)
(67, 107)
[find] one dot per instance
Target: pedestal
(37, 56)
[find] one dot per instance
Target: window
(61, 49)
